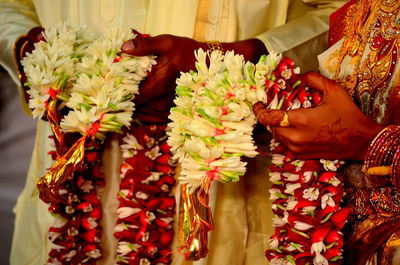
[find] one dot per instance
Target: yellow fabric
(242, 210)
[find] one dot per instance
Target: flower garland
(75, 234)
(306, 194)
(211, 131)
(81, 83)
(144, 228)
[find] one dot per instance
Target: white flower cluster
(212, 122)
(84, 68)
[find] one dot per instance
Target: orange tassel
(197, 221)
(61, 171)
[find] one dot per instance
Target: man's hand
(335, 129)
(174, 55)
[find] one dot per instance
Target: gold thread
(214, 46)
(200, 27)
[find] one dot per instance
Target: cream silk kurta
(241, 210)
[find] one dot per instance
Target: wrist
(251, 49)
(371, 132)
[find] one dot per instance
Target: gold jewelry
(372, 73)
(214, 46)
(285, 121)
(269, 128)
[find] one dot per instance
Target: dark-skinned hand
(174, 55)
(335, 129)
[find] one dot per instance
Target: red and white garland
(306, 194)
(75, 234)
(307, 213)
(212, 124)
(144, 229)
(81, 82)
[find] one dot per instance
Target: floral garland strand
(212, 124)
(81, 83)
(76, 233)
(306, 194)
(211, 130)
(308, 217)
(144, 229)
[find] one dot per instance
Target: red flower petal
(91, 156)
(164, 147)
(166, 238)
(331, 253)
(340, 217)
(90, 235)
(163, 159)
(320, 233)
(96, 213)
(164, 169)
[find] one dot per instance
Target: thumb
(141, 46)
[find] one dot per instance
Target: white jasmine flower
(277, 159)
(273, 242)
(306, 104)
(296, 104)
(141, 195)
(274, 176)
(54, 261)
(318, 248)
(311, 194)
(273, 144)
(307, 176)
(123, 226)
(87, 186)
(153, 153)
(291, 203)
(334, 181)
(320, 260)
(329, 165)
(273, 194)
(125, 248)
(155, 176)
(302, 226)
(290, 176)
(279, 261)
(150, 216)
(278, 222)
(299, 164)
(327, 199)
(95, 253)
(124, 212)
(308, 210)
(130, 145)
(291, 187)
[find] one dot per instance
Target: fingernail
(128, 46)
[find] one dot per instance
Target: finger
(160, 82)
(141, 46)
(319, 82)
(267, 116)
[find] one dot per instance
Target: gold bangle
(214, 46)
